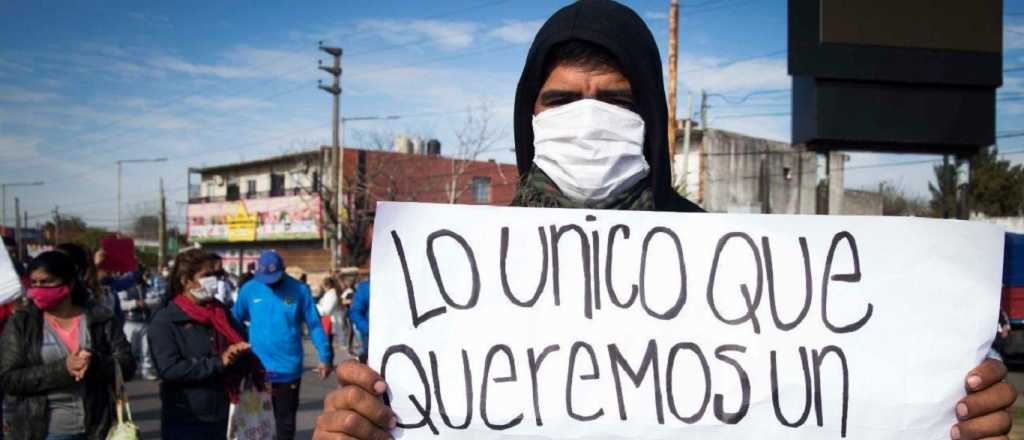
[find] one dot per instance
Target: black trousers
(286, 406)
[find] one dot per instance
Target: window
(316, 182)
(232, 192)
(481, 190)
(250, 188)
(276, 185)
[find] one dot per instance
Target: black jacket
(622, 32)
(192, 372)
(26, 380)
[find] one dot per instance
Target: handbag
(125, 429)
(252, 418)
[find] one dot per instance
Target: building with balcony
(287, 202)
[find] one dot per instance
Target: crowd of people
(192, 326)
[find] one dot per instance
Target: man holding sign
(590, 122)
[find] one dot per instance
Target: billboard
(270, 219)
(908, 76)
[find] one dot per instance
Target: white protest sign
(547, 323)
(10, 283)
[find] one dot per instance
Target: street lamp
(3, 189)
(119, 163)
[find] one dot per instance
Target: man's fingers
(997, 397)
(989, 372)
(365, 404)
(352, 372)
(994, 424)
(348, 422)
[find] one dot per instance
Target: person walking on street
(138, 302)
(57, 357)
(199, 353)
(250, 272)
(225, 288)
(359, 313)
(88, 276)
(328, 308)
(276, 306)
(12, 288)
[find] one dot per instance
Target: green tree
(997, 186)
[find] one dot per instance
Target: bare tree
(477, 135)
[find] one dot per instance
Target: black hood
(624, 34)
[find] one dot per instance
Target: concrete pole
(17, 228)
(118, 197)
(687, 125)
(673, 61)
(162, 233)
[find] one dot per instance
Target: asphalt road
(145, 398)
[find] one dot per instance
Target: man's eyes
(624, 103)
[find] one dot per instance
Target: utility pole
(56, 225)
(703, 110)
(162, 234)
(703, 141)
(687, 126)
(17, 228)
(3, 198)
(118, 197)
(673, 61)
(338, 162)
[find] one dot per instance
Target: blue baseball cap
(270, 268)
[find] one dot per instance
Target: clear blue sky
(83, 84)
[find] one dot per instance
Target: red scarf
(214, 314)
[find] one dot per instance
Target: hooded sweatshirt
(624, 34)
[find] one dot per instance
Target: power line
(771, 54)
(740, 100)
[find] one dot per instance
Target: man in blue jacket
(276, 306)
(359, 313)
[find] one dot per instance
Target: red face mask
(46, 298)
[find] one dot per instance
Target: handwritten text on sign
(542, 323)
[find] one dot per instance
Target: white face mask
(590, 149)
(206, 290)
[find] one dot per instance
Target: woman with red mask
(199, 352)
(57, 358)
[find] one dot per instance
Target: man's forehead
(567, 76)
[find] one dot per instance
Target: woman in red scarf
(200, 353)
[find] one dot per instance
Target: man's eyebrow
(551, 95)
(615, 93)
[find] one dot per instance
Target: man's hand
(324, 370)
(229, 356)
(983, 413)
(355, 410)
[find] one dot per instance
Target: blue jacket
(275, 316)
(359, 312)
